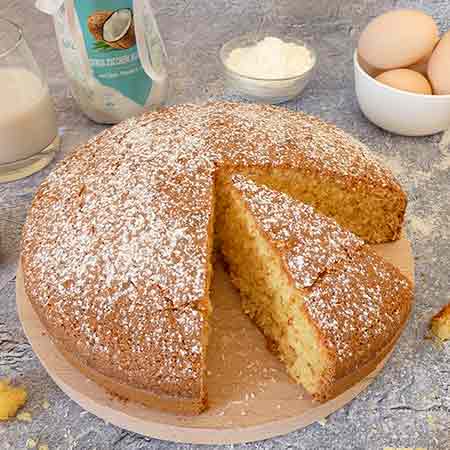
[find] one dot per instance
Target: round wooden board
(250, 395)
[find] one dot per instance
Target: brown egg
(372, 71)
(439, 66)
(405, 80)
(398, 38)
(421, 65)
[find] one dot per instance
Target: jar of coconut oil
(113, 55)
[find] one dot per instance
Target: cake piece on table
(440, 323)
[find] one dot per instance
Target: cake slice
(330, 307)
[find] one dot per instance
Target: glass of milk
(28, 132)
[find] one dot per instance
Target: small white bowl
(265, 90)
(397, 111)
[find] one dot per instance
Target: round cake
(117, 247)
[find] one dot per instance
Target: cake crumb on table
(45, 404)
(11, 399)
(440, 323)
(31, 443)
(24, 417)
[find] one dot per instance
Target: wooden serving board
(250, 395)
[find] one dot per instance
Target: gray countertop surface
(408, 405)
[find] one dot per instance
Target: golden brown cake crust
(116, 246)
(357, 306)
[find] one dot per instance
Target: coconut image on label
(112, 29)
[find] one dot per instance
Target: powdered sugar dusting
(359, 305)
(115, 248)
(309, 242)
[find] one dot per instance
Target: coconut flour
(270, 58)
(113, 55)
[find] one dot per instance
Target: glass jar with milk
(28, 132)
(113, 55)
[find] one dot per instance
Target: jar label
(109, 34)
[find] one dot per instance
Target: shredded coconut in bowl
(271, 58)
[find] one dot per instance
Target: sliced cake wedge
(330, 307)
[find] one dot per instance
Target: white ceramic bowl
(265, 90)
(399, 111)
